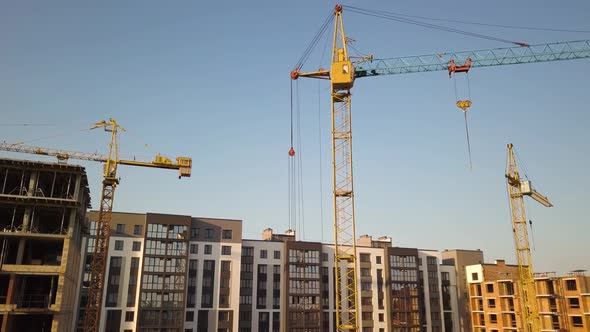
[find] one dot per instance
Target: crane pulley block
(453, 68)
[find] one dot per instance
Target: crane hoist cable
(491, 25)
(295, 168)
(463, 104)
(532, 234)
(398, 18)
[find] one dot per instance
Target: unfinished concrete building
(563, 302)
(42, 214)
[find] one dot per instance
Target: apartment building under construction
(42, 216)
(563, 301)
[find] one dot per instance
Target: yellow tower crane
(342, 74)
(342, 78)
(517, 189)
(109, 184)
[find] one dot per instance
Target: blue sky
(210, 80)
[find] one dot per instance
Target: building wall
(215, 251)
(403, 290)
(449, 298)
(260, 306)
(431, 288)
(460, 259)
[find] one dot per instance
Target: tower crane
(109, 184)
(517, 189)
(342, 74)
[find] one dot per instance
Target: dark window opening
(571, 285)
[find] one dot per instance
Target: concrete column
(72, 222)
(78, 192)
(6, 321)
(27, 216)
(30, 193)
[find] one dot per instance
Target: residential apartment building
(181, 273)
(563, 302)
(167, 271)
(42, 215)
(459, 259)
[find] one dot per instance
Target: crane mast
(103, 227)
(341, 75)
(109, 184)
(342, 78)
(517, 189)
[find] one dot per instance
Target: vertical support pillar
(6, 320)
(27, 217)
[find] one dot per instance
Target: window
(431, 260)
(129, 316)
(490, 288)
(227, 234)
(365, 272)
(378, 258)
(137, 229)
(571, 285)
(491, 303)
(120, 228)
(223, 316)
(194, 233)
(118, 245)
(365, 257)
(226, 250)
(381, 316)
(263, 254)
(136, 246)
(277, 254)
(493, 318)
(247, 251)
(190, 316)
(474, 276)
(208, 233)
(208, 249)
(577, 320)
(574, 302)
(324, 257)
(194, 248)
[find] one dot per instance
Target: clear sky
(210, 80)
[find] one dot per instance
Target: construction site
(154, 259)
